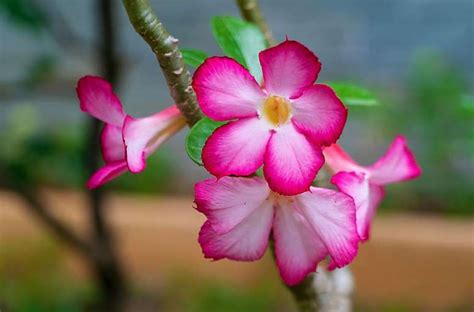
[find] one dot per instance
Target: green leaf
(352, 95)
(197, 137)
(241, 41)
(193, 57)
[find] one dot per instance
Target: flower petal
(365, 217)
(246, 242)
(225, 89)
(111, 143)
(144, 135)
(376, 194)
(332, 216)
(398, 164)
(236, 148)
(319, 114)
(107, 173)
(297, 248)
(97, 98)
(356, 185)
(338, 160)
(288, 68)
(291, 162)
(227, 201)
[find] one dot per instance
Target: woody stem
(166, 49)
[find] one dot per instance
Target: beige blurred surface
(421, 259)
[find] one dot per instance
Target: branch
(36, 207)
(250, 11)
(334, 289)
(166, 49)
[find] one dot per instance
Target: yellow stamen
(276, 109)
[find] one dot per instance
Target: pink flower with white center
(242, 212)
(126, 142)
(281, 124)
(365, 184)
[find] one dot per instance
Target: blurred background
(416, 56)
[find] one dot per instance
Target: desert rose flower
(365, 184)
(242, 212)
(126, 142)
(281, 123)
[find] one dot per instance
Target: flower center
(276, 110)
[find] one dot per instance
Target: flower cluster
(126, 142)
(285, 123)
(289, 125)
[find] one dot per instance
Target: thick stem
(250, 11)
(166, 49)
(334, 289)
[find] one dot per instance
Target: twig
(56, 225)
(250, 11)
(166, 49)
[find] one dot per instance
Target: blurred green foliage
(34, 279)
(24, 13)
(41, 69)
(434, 110)
(182, 294)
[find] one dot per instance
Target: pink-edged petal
(356, 185)
(297, 248)
(398, 164)
(319, 114)
(143, 135)
(227, 201)
(291, 161)
(225, 89)
(376, 194)
(247, 241)
(288, 68)
(107, 173)
(236, 148)
(338, 160)
(332, 216)
(97, 98)
(111, 143)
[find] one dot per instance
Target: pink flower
(242, 212)
(281, 124)
(365, 184)
(126, 142)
